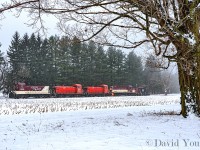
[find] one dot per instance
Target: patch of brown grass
(162, 113)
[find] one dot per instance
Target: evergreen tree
(85, 65)
(39, 62)
(32, 57)
(75, 63)
(152, 76)
(53, 59)
(2, 61)
(134, 70)
(43, 63)
(115, 60)
(24, 71)
(101, 67)
(2, 70)
(14, 58)
(88, 58)
(64, 64)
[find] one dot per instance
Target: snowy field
(97, 123)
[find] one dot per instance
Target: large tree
(171, 27)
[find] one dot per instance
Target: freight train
(21, 90)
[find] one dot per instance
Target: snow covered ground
(97, 123)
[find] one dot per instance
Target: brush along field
(26, 106)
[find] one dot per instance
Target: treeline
(64, 61)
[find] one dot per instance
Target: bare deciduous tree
(170, 26)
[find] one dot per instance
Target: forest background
(66, 60)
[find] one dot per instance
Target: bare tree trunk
(198, 81)
(182, 90)
(189, 80)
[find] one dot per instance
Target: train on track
(21, 90)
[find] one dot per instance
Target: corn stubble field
(96, 123)
(32, 105)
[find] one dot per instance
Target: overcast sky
(11, 24)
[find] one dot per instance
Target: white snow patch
(139, 127)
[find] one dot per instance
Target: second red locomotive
(101, 90)
(62, 91)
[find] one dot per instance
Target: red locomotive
(101, 90)
(62, 91)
